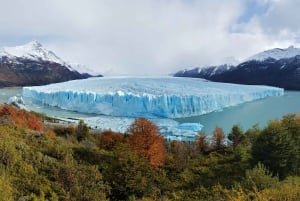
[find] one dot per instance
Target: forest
(41, 160)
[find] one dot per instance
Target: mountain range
(274, 67)
(32, 64)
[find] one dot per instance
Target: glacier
(150, 97)
(117, 101)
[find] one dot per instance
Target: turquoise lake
(246, 115)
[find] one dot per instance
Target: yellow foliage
(6, 190)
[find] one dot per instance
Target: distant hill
(32, 64)
(275, 67)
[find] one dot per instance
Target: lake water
(246, 115)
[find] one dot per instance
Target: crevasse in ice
(146, 96)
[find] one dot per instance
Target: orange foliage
(201, 143)
(146, 140)
(51, 134)
(70, 129)
(175, 146)
(109, 139)
(21, 117)
(218, 138)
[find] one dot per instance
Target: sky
(151, 37)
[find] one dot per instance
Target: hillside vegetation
(39, 162)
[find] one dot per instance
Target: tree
(251, 134)
(260, 178)
(218, 139)
(108, 140)
(82, 131)
(236, 136)
(274, 148)
(201, 143)
(128, 174)
(146, 140)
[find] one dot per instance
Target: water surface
(246, 115)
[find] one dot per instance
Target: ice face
(167, 97)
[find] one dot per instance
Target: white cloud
(142, 37)
(282, 18)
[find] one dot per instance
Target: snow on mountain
(276, 53)
(204, 72)
(33, 51)
(146, 96)
(83, 69)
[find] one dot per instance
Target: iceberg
(150, 97)
(17, 101)
(190, 126)
(169, 128)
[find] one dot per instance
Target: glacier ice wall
(146, 96)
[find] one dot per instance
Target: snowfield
(276, 54)
(151, 97)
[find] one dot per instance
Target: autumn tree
(145, 139)
(218, 139)
(201, 143)
(10, 114)
(108, 140)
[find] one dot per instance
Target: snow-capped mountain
(275, 67)
(33, 51)
(32, 64)
(204, 72)
(83, 69)
(276, 54)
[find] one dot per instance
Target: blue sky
(151, 36)
(253, 8)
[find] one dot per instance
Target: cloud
(142, 37)
(282, 18)
(277, 27)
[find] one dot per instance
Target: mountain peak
(33, 51)
(276, 53)
(34, 43)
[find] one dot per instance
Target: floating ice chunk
(16, 101)
(190, 126)
(167, 127)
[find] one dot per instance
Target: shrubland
(39, 162)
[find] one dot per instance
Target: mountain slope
(276, 54)
(283, 73)
(276, 67)
(32, 64)
(205, 72)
